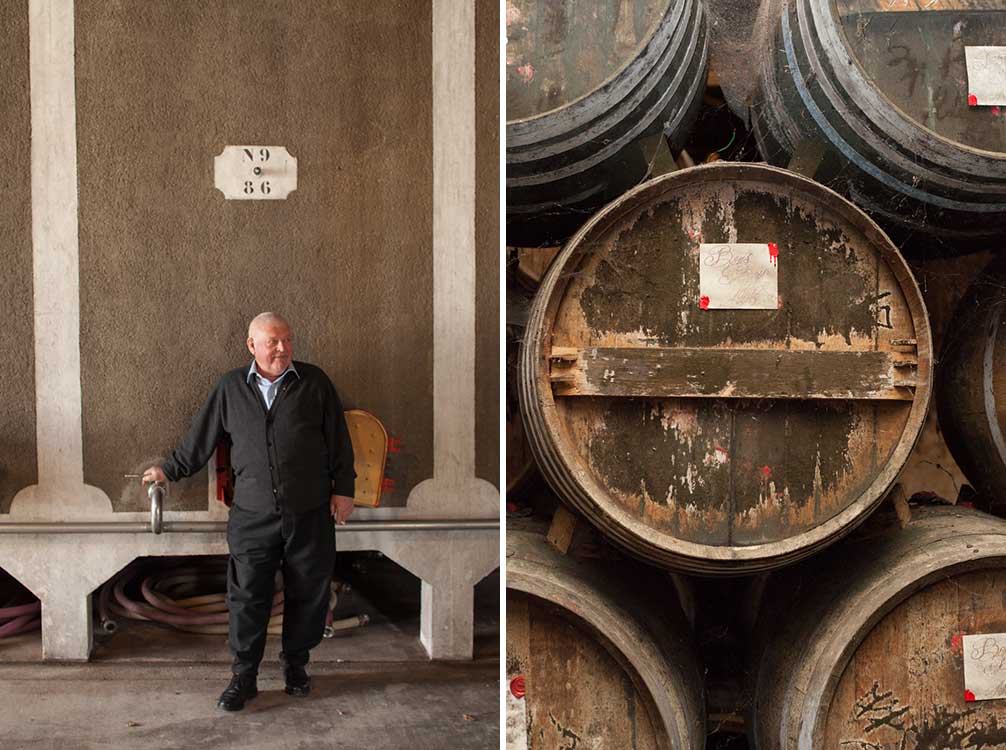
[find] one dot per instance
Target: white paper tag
(739, 276)
(986, 75)
(516, 715)
(984, 666)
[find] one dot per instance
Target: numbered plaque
(255, 173)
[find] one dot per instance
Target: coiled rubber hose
(191, 597)
(20, 618)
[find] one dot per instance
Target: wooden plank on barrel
(560, 532)
(661, 372)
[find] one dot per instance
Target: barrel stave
(971, 387)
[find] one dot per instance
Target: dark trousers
(260, 543)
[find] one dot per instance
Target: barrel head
(729, 436)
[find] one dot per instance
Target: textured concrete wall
(171, 272)
(487, 242)
(18, 457)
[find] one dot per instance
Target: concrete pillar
(449, 564)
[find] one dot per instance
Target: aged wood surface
(532, 263)
(731, 429)
(560, 50)
(904, 687)
(577, 693)
(917, 61)
(665, 372)
(601, 667)
(859, 648)
(914, 6)
(560, 532)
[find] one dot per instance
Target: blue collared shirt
(268, 389)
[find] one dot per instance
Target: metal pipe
(211, 527)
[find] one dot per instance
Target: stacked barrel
(725, 371)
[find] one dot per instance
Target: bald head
(270, 342)
(265, 319)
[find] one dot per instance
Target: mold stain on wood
(647, 274)
(903, 688)
(668, 463)
(698, 470)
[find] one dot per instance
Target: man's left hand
(342, 508)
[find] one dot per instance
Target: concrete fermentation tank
(131, 278)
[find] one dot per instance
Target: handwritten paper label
(986, 75)
(516, 715)
(739, 276)
(984, 666)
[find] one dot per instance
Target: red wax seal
(972, 100)
(517, 686)
(704, 302)
(766, 470)
(969, 696)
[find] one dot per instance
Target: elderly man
(293, 466)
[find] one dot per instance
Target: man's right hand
(154, 474)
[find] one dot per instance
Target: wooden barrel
(586, 84)
(971, 384)
(883, 86)
(595, 663)
(521, 472)
(865, 644)
(720, 440)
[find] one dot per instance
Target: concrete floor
(125, 706)
(152, 687)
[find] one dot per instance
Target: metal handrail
(156, 494)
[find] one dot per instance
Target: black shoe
(242, 688)
(297, 680)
